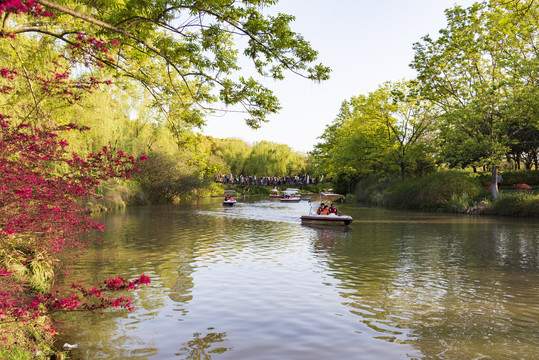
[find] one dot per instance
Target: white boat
(274, 194)
(290, 196)
(292, 191)
(229, 197)
(331, 219)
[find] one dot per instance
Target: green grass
(516, 204)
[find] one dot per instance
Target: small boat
(229, 197)
(274, 194)
(331, 219)
(293, 191)
(290, 196)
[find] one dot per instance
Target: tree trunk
(494, 182)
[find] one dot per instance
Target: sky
(364, 42)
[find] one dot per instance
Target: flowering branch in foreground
(43, 185)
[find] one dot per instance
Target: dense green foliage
(512, 177)
(453, 191)
(515, 204)
(183, 52)
(473, 105)
(383, 133)
(156, 83)
(433, 192)
(140, 76)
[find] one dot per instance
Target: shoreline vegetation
(443, 191)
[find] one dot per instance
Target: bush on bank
(451, 191)
(437, 191)
(515, 204)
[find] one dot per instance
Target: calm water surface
(251, 282)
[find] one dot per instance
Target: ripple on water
(251, 282)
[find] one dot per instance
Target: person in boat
(320, 208)
(333, 209)
(227, 198)
(325, 211)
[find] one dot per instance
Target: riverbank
(455, 192)
(443, 191)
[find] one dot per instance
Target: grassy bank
(454, 191)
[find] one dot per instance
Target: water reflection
(200, 347)
(453, 291)
(393, 285)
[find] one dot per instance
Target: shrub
(165, 177)
(447, 190)
(371, 185)
(516, 204)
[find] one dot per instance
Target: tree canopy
(475, 72)
(182, 51)
(473, 102)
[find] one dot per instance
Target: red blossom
(43, 186)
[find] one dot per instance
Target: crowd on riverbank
(270, 180)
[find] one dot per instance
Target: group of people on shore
(324, 209)
(268, 180)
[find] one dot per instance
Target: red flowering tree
(178, 50)
(43, 187)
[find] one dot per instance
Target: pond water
(251, 282)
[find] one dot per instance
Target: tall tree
(182, 51)
(410, 122)
(377, 133)
(472, 71)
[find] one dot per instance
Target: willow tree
(182, 51)
(271, 159)
(474, 71)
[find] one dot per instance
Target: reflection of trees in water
(200, 348)
(452, 290)
(181, 290)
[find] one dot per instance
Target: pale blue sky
(365, 42)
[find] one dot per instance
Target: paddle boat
(229, 197)
(274, 194)
(293, 191)
(290, 196)
(330, 219)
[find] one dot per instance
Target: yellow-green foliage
(168, 178)
(26, 340)
(117, 194)
(437, 191)
(212, 190)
